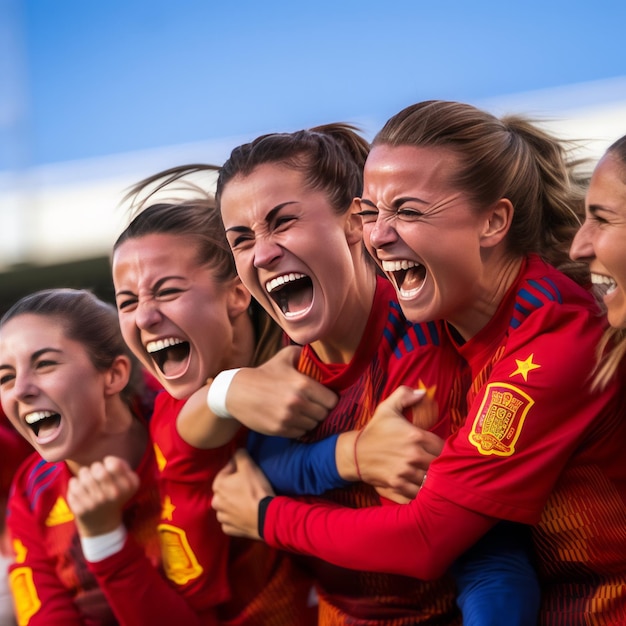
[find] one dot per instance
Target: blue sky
(94, 78)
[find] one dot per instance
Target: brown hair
(331, 157)
(503, 158)
(195, 217)
(87, 320)
(612, 348)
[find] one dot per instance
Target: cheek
(127, 327)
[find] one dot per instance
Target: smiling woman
(70, 387)
(601, 243)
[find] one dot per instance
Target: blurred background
(97, 95)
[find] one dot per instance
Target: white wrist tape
(100, 547)
(216, 398)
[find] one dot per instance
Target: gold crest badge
(500, 418)
(179, 561)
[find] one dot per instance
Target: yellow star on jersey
(523, 367)
(430, 391)
(167, 508)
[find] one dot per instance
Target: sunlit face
(601, 241)
(50, 390)
(422, 231)
(174, 315)
(291, 250)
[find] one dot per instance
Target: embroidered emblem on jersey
(60, 513)
(179, 561)
(20, 551)
(25, 597)
(524, 367)
(500, 418)
(167, 508)
(160, 458)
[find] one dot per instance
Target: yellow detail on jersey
(430, 391)
(60, 513)
(27, 602)
(20, 551)
(160, 458)
(167, 508)
(499, 421)
(523, 367)
(179, 561)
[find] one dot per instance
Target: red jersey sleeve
(138, 593)
(420, 539)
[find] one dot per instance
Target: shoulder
(545, 295)
(37, 483)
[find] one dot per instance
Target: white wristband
(100, 547)
(216, 398)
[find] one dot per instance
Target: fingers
(102, 482)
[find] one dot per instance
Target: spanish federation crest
(500, 419)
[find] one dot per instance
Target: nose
(23, 387)
(379, 234)
(148, 313)
(582, 245)
(266, 252)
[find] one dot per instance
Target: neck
(244, 341)
(342, 343)
(122, 435)
(486, 297)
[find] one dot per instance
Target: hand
(392, 453)
(98, 493)
(237, 490)
(276, 399)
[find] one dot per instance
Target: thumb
(402, 398)
(241, 459)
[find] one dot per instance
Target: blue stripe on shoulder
(527, 301)
(403, 336)
(39, 479)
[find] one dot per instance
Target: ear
(117, 376)
(354, 223)
(497, 223)
(238, 299)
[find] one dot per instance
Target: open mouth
(602, 285)
(292, 293)
(408, 277)
(43, 422)
(171, 355)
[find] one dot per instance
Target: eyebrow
(34, 356)
(396, 203)
(268, 218)
(157, 284)
(594, 208)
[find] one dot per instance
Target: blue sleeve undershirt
(496, 579)
(294, 468)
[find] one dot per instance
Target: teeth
(599, 279)
(161, 344)
(281, 280)
(37, 416)
(396, 266)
